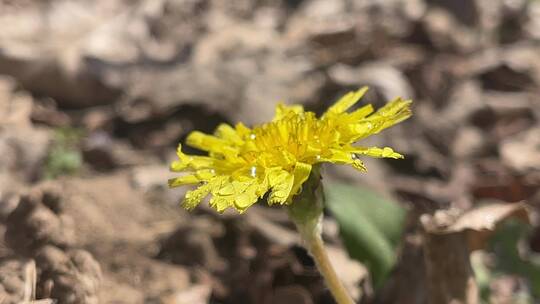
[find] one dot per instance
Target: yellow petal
(221, 203)
(203, 141)
(210, 143)
(178, 166)
(398, 110)
(301, 174)
(194, 197)
(243, 131)
(183, 157)
(201, 162)
(361, 112)
(386, 152)
(183, 161)
(228, 133)
(237, 194)
(345, 102)
(387, 116)
(205, 174)
(346, 157)
(219, 185)
(247, 198)
(283, 110)
(183, 180)
(226, 190)
(281, 183)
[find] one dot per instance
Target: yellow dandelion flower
(244, 164)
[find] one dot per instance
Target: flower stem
(315, 246)
(306, 211)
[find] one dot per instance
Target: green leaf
(505, 244)
(370, 225)
(64, 156)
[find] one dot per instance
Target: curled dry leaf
(477, 223)
(450, 277)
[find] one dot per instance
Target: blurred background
(96, 95)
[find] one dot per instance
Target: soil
(95, 97)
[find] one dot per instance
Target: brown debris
(39, 229)
(33, 224)
(135, 77)
(448, 240)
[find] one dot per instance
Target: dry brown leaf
(477, 224)
(489, 216)
(448, 240)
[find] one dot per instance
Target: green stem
(306, 212)
(315, 247)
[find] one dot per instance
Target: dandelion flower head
(244, 164)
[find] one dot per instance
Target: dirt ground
(96, 95)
